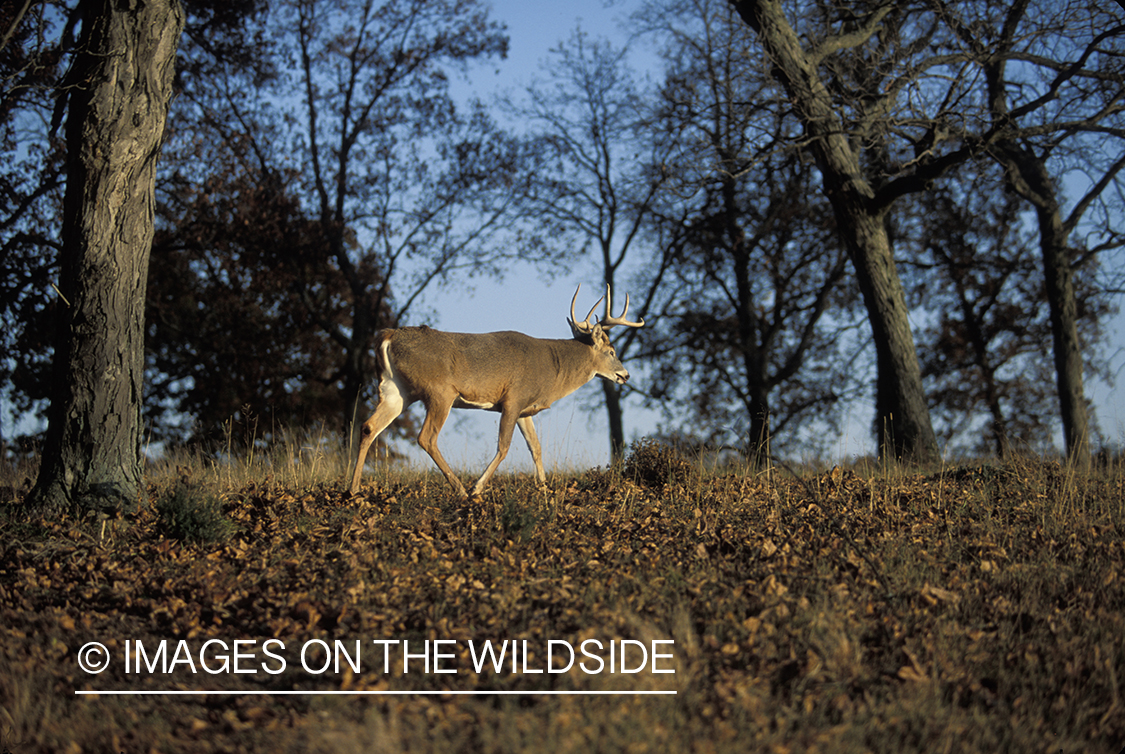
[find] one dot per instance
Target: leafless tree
(586, 122)
(750, 346)
(848, 72)
(1054, 83)
(390, 189)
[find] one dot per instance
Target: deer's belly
(462, 402)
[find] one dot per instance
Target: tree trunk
(989, 389)
(614, 410)
(1028, 175)
(754, 361)
(1026, 172)
(903, 424)
(616, 423)
(355, 412)
(902, 419)
(119, 87)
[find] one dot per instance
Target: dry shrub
(656, 465)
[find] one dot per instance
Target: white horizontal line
(212, 692)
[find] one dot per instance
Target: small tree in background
(32, 59)
(586, 123)
(315, 197)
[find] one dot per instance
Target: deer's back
(479, 366)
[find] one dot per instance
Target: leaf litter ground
(975, 609)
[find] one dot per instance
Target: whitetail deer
(509, 372)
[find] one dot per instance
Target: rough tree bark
(119, 88)
(903, 422)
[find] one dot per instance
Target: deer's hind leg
(532, 439)
(392, 402)
(508, 420)
(437, 411)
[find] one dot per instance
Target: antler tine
(592, 308)
(585, 326)
(610, 321)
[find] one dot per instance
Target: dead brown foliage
(976, 609)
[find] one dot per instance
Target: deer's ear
(601, 340)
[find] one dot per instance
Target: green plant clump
(191, 514)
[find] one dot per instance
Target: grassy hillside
(977, 608)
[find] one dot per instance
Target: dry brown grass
(978, 608)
